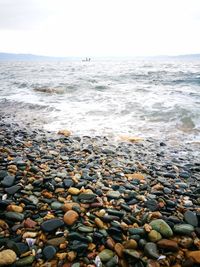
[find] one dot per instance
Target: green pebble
(162, 227)
(106, 255)
(183, 229)
(25, 261)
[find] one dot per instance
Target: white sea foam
(106, 97)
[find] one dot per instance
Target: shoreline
(80, 201)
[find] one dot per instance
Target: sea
(138, 98)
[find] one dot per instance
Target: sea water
(105, 97)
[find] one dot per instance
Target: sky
(100, 27)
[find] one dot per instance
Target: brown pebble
(70, 217)
(3, 225)
(73, 191)
(119, 249)
(130, 244)
(110, 243)
(71, 255)
(15, 208)
(194, 255)
(28, 223)
(99, 223)
(168, 244)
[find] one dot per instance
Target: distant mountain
(30, 57)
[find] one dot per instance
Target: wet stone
(15, 216)
(162, 227)
(12, 189)
(87, 198)
(56, 205)
(183, 229)
(113, 194)
(132, 253)
(154, 236)
(56, 241)
(49, 252)
(26, 261)
(151, 204)
(169, 245)
(8, 181)
(3, 174)
(191, 218)
(151, 250)
(106, 255)
(51, 225)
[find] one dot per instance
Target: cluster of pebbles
(75, 201)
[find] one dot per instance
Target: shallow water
(137, 98)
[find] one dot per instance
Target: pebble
(15, 216)
(162, 227)
(194, 255)
(7, 257)
(183, 229)
(154, 236)
(51, 225)
(8, 181)
(151, 250)
(113, 194)
(191, 218)
(49, 252)
(167, 244)
(70, 217)
(87, 201)
(26, 261)
(106, 255)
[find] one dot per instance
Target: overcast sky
(100, 27)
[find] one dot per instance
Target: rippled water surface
(137, 98)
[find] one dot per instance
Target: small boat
(87, 59)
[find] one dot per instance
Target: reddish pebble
(28, 223)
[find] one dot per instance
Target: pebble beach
(69, 200)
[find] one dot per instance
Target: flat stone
(113, 194)
(70, 217)
(56, 241)
(8, 181)
(26, 261)
(169, 245)
(183, 229)
(56, 205)
(15, 208)
(154, 236)
(130, 244)
(112, 262)
(3, 174)
(49, 252)
(132, 253)
(13, 189)
(151, 250)
(106, 255)
(51, 225)
(87, 198)
(191, 218)
(68, 183)
(14, 216)
(162, 227)
(86, 229)
(151, 204)
(28, 223)
(7, 257)
(194, 255)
